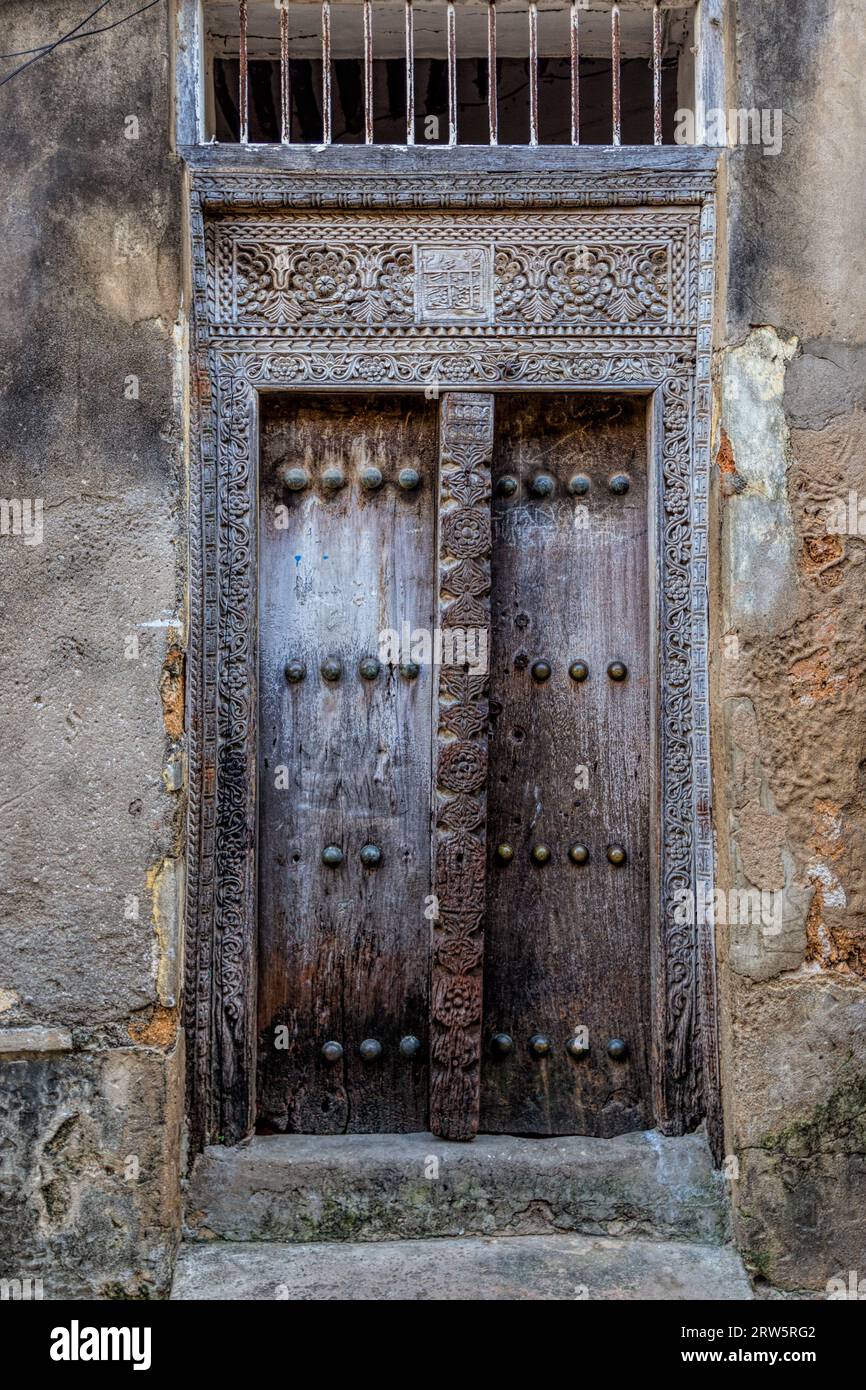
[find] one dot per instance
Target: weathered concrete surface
(18, 1042)
(532, 1268)
(802, 1143)
(91, 423)
(89, 1200)
(359, 1187)
(790, 685)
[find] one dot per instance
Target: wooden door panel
(344, 951)
(567, 944)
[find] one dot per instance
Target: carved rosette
(461, 769)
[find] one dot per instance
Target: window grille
(473, 72)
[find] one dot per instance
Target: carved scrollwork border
(227, 375)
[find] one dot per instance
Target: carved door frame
(271, 312)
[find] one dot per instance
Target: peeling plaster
(171, 688)
(8, 1000)
(165, 883)
(759, 528)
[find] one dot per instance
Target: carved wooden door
(567, 964)
(347, 551)
(454, 764)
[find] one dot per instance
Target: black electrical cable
(71, 36)
(48, 47)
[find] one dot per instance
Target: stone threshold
(371, 1188)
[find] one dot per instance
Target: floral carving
(466, 532)
(461, 772)
(618, 284)
(324, 282)
(582, 284)
(392, 295)
(459, 956)
(334, 284)
(520, 290)
(462, 766)
(456, 1001)
(615, 283)
(462, 812)
(470, 584)
(511, 271)
(649, 283)
(460, 869)
(462, 922)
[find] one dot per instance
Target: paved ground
(514, 1268)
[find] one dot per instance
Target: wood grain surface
(344, 952)
(567, 945)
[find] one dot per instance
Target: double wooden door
(454, 764)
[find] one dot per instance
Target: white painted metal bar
(410, 74)
(615, 50)
(657, 73)
(452, 75)
(368, 73)
(574, 30)
(285, 76)
(244, 79)
(533, 73)
(326, 72)
(492, 94)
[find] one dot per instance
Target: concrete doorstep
(513, 1268)
(380, 1187)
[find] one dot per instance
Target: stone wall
(790, 728)
(92, 812)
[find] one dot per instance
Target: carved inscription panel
(453, 285)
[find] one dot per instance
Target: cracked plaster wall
(790, 697)
(92, 803)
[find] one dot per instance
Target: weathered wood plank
(709, 59)
(567, 944)
(445, 160)
(466, 443)
(344, 950)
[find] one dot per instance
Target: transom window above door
(434, 72)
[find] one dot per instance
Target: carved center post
(465, 453)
